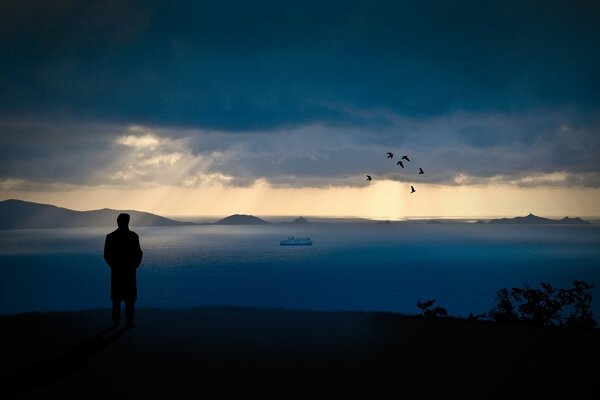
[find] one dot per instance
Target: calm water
(351, 266)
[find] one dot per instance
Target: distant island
(19, 214)
(534, 219)
(241, 219)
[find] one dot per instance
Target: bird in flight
(369, 178)
(421, 171)
(405, 158)
(390, 155)
(412, 189)
(400, 164)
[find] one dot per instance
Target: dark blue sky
(478, 79)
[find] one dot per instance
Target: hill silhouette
(19, 214)
(534, 219)
(241, 219)
(229, 352)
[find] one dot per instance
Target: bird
(405, 158)
(400, 164)
(369, 178)
(421, 171)
(390, 155)
(412, 189)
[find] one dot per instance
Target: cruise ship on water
(293, 241)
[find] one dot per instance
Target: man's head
(123, 220)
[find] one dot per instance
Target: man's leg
(129, 312)
(116, 312)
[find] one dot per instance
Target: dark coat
(123, 255)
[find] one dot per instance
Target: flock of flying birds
(400, 163)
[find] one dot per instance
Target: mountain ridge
(20, 214)
(534, 219)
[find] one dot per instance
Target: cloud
(141, 94)
(139, 142)
(263, 65)
(486, 147)
(90, 154)
(548, 148)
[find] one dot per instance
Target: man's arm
(108, 256)
(138, 253)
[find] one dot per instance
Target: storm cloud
(306, 94)
(460, 149)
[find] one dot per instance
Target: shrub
(545, 306)
(579, 297)
(504, 312)
(431, 312)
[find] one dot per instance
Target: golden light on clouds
(151, 160)
(153, 172)
(139, 142)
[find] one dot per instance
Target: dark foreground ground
(257, 353)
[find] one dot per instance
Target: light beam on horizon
(382, 200)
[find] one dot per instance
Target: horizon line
(296, 215)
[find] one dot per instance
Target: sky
(283, 108)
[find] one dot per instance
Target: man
(123, 255)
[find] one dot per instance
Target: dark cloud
(499, 146)
(306, 94)
(536, 149)
(47, 152)
(238, 65)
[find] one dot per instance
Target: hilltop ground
(257, 353)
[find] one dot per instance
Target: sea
(358, 266)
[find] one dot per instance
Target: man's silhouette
(123, 255)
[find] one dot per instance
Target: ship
(294, 241)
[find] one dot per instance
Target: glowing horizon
(382, 200)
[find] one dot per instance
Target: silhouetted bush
(474, 318)
(504, 312)
(431, 312)
(580, 299)
(545, 306)
(539, 307)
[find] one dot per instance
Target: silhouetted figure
(400, 163)
(123, 255)
(412, 189)
(390, 155)
(369, 178)
(405, 158)
(421, 171)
